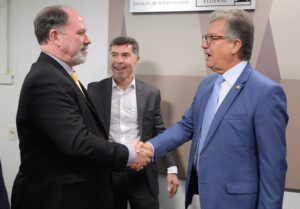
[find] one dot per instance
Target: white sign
(138, 6)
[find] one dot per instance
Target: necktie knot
(214, 97)
(219, 80)
(74, 76)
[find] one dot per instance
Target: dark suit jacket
(243, 161)
(3, 195)
(66, 159)
(149, 117)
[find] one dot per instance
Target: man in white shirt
(131, 110)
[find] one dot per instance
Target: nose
(119, 59)
(204, 45)
(87, 40)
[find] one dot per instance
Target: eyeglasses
(209, 38)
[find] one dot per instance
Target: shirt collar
(131, 85)
(63, 64)
(232, 74)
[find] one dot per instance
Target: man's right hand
(144, 153)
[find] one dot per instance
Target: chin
(79, 60)
(209, 66)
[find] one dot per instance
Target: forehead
(217, 27)
(74, 19)
(121, 48)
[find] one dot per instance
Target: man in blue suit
(241, 163)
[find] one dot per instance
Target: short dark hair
(47, 19)
(239, 25)
(125, 40)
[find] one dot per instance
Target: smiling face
(220, 54)
(123, 62)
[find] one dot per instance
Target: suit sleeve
(176, 135)
(159, 126)
(168, 160)
(66, 119)
(270, 124)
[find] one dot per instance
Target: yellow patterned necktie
(76, 80)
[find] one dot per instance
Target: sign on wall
(140, 6)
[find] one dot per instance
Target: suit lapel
(93, 109)
(107, 92)
(140, 98)
(229, 99)
(46, 58)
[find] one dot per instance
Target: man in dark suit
(239, 160)
(3, 194)
(66, 158)
(131, 109)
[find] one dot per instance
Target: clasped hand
(144, 155)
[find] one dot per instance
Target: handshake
(144, 155)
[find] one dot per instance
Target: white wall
(24, 50)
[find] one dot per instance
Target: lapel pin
(238, 87)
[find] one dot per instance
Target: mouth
(119, 68)
(207, 55)
(84, 48)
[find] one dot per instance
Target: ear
(54, 37)
(236, 46)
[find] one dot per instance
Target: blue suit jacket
(243, 162)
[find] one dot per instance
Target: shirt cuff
(152, 150)
(132, 154)
(173, 169)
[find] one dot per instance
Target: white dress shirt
(230, 77)
(124, 127)
(123, 120)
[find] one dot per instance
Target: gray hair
(47, 19)
(239, 25)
